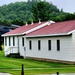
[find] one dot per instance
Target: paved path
(5, 74)
(56, 74)
(40, 74)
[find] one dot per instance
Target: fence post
(22, 71)
(57, 73)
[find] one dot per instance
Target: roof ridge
(35, 28)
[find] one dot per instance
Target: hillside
(21, 12)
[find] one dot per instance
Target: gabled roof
(60, 28)
(23, 29)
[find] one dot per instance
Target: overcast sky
(67, 5)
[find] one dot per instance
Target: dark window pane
(30, 45)
(9, 41)
(39, 44)
(22, 41)
(49, 44)
(58, 45)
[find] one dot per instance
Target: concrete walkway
(5, 74)
(56, 74)
(41, 74)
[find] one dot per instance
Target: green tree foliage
(32, 10)
(44, 11)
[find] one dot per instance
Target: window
(13, 41)
(22, 41)
(30, 44)
(9, 41)
(49, 44)
(5, 41)
(39, 44)
(58, 45)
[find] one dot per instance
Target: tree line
(21, 12)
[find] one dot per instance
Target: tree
(43, 10)
(32, 10)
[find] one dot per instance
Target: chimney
(26, 24)
(50, 22)
(39, 21)
(32, 23)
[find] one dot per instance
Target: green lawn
(13, 66)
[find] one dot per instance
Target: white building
(46, 40)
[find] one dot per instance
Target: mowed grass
(32, 67)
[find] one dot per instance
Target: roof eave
(71, 32)
(12, 35)
(48, 35)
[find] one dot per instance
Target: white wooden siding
(66, 52)
(21, 48)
